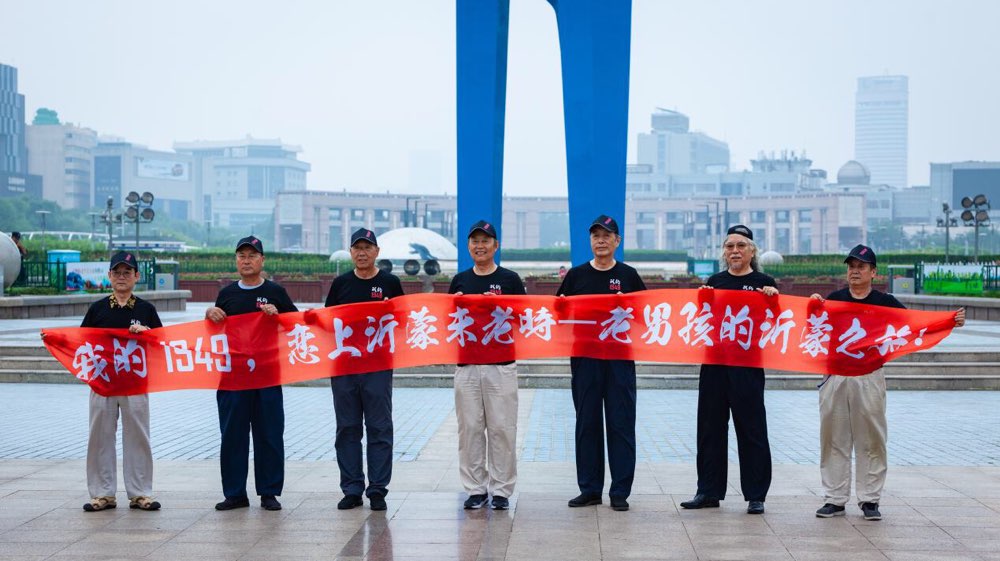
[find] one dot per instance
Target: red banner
(738, 328)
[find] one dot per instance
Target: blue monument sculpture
(594, 37)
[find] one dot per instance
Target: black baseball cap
(251, 241)
(606, 222)
(125, 257)
(484, 227)
(15, 234)
(364, 234)
(862, 253)
(741, 230)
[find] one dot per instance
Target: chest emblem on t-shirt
(615, 285)
(495, 289)
(261, 301)
(745, 287)
(376, 293)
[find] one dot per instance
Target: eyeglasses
(738, 245)
(122, 274)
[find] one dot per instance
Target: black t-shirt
(235, 300)
(875, 298)
(727, 281)
(348, 288)
(585, 279)
(499, 282)
(102, 314)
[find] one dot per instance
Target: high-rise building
(670, 147)
(13, 154)
(881, 120)
(63, 154)
(238, 180)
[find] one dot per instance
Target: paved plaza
(942, 498)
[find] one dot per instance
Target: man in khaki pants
(123, 310)
(486, 394)
(852, 409)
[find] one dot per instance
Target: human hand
(815, 296)
(269, 309)
(960, 317)
(135, 328)
(215, 314)
(768, 291)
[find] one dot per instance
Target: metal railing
(38, 274)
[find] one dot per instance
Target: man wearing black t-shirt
(486, 394)
(367, 397)
(122, 310)
(739, 389)
(852, 408)
(260, 412)
(603, 390)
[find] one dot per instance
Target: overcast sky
(367, 88)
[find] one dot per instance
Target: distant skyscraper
(13, 154)
(881, 119)
(63, 154)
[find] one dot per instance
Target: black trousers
(604, 394)
(262, 414)
(722, 389)
(364, 401)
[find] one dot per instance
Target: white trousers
(486, 407)
(137, 456)
(852, 416)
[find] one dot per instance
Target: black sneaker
(870, 511)
(755, 507)
(476, 501)
(349, 502)
(500, 503)
(377, 502)
(268, 502)
(233, 502)
(829, 510)
(583, 499)
(619, 504)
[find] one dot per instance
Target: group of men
(852, 409)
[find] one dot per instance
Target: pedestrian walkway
(942, 497)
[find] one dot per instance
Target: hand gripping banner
(737, 328)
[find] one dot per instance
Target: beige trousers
(852, 416)
(486, 407)
(137, 456)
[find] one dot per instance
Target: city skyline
(761, 77)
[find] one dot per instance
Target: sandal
(100, 503)
(143, 503)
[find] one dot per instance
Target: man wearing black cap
(486, 394)
(121, 310)
(852, 408)
(260, 412)
(739, 389)
(603, 390)
(366, 397)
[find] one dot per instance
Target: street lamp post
(43, 214)
(947, 223)
(976, 215)
(139, 211)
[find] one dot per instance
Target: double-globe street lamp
(139, 211)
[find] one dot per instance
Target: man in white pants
(852, 409)
(486, 394)
(123, 310)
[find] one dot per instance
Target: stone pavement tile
(895, 531)
(805, 527)
(725, 525)
(962, 532)
(976, 544)
(264, 551)
(200, 535)
(873, 555)
(554, 544)
(745, 552)
(897, 555)
(831, 544)
(52, 536)
(175, 551)
(648, 546)
(30, 548)
(911, 543)
(73, 519)
(388, 548)
(122, 549)
(290, 535)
